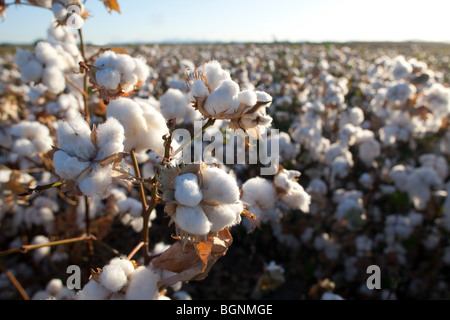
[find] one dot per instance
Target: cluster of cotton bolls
(363, 176)
(50, 61)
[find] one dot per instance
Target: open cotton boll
(131, 206)
(125, 264)
(219, 187)
(187, 190)
(74, 138)
(40, 253)
(199, 89)
(129, 114)
(23, 147)
(97, 182)
(174, 105)
(54, 286)
(142, 70)
(22, 57)
(93, 291)
(156, 129)
(192, 220)
(247, 97)
(108, 78)
(224, 99)
(223, 216)
(68, 167)
(297, 198)
(113, 277)
(31, 71)
(261, 191)
(143, 285)
(215, 74)
(54, 80)
(59, 11)
(110, 138)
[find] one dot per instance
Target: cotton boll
(40, 253)
(23, 147)
(74, 138)
(93, 291)
(125, 264)
(113, 277)
(261, 191)
(156, 129)
(224, 99)
(223, 216)
(129, 114)
(192, 220)
(54, 79)
(98, 182)
(187, 190)
(215, 74)
(110, 138)
(199, 89)
(174, 105)
(54, 286)
(142, 70)
(22, 57)
(143, 285)
(108, 78)
(297, 198)
(247, 97)
(68, 167)
(31, 71)
(59, 11)
(218, 186)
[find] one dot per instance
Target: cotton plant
(89, 161)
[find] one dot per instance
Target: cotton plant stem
(86, 80)
(90, 247)
(135, 250)
(146, 209)
(15, 282)
(29, 247)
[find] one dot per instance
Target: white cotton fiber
(224, 99)
(131, 206)
(247, 97)
(125, 264)
(192, 220)
(54, 286)
(54, 79)
(129, 114)
(108, 78)
(22, 57)
(23, 147)
(215, 74)
(113, 277)
(261, 191)
(199, 89)
(40, 253)
(110, 138)
(174, 105)
(218, 186)
(93, 291)
(222, 216)
(31, 71)
(97, 182)
(68, 167)
(152, 139)
(143, 285)
(74, 138)
(187, 190)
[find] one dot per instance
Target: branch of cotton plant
(76, 87)
(15, 282)
(28, 247)
(208, 124)
(90, 247)
(29, 191)
(85, 80)
(135, 250)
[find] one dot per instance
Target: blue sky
(245, 20)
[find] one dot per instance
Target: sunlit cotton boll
(175, 105)
(142, 285)
(113, 277)
(224, 100)
(192, 220)
(144, 126)
(223, 216)
(187, 190)
(215, 74)
(218, 186)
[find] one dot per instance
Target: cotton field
(112, 186)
